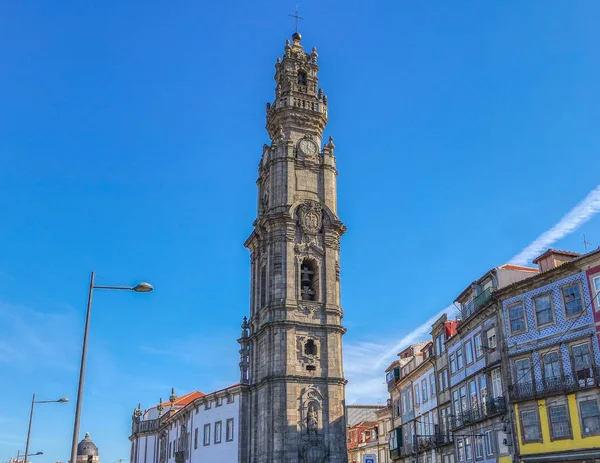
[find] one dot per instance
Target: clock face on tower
(307, 147)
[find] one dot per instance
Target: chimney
(553, 258)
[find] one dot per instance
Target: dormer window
(301, 78)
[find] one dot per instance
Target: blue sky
(130, 134)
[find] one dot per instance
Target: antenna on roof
(585, 243)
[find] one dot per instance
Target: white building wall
(146, 446)
(225, 451)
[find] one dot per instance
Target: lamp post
(139, 288)
(33, 402)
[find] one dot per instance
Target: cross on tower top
(295, 15)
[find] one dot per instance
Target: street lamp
(33, 402)
(139, 288)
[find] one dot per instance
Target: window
(572, 299)
(443, 337)
(496, 383)
(456, 403)
(491, 339)
(478, 447)
(195, 438)
(483, 388)
(473, 394)
(478, 348)
(590, 417)
(207, 434)
(229, 430)
(417, 395)
(219, 401)
(307, 283)
(468, 451)
(441, 381)
(445, 376)
(543, 310)
(551, 365)
(263, 286)
(208, 404)
(460, 450)
(452, 364)
(530, 426)
(582, 361)
(424, 387)
(463, 399)
(397, 408)
(489, 442)
(459, 359)
(301, 78)
(559, 422)
(438, 345)
(523, 371)
(310, 348)
(218, 426)
(230, 399)
(469, 352)
(596, 282)
(432, 384)
(516, 316)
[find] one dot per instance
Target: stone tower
(291, 348)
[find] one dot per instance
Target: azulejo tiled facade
(551, 365)
(516, 375)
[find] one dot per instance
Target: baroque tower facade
(291, 347)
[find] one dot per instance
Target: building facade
(442, 330)
(384, 427)
(479, 404)
(412, 385)
(550, 325)
(291, 347)
(193, 428)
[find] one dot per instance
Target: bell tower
(291, 347)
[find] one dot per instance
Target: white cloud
(576, 217)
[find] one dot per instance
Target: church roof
(183, 400)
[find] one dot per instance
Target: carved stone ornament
(313, 451)
(310, 217)
(308, 308)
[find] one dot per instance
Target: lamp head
(62, 400)
(143, 287)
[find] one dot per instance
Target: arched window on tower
(301, 78)
(307, 281)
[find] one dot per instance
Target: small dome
(296, 37)
(86, 447)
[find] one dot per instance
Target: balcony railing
(146, 426)
(469, 308)
(395, 453)
(408, 449)
(582, 379)
(489, 408)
